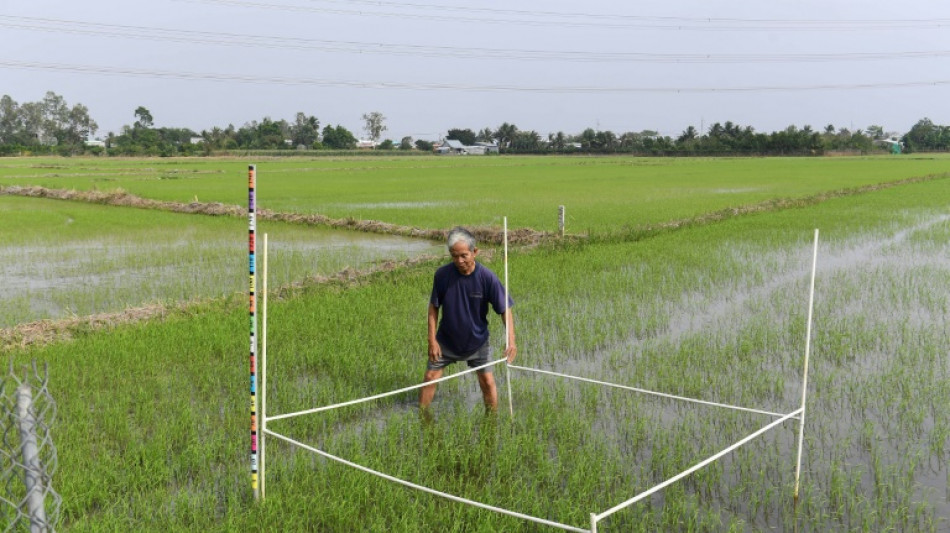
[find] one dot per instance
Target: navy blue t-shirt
(464, 302)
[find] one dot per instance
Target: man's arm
(512, 349)
(435, 351)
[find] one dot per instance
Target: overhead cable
(604, 22)
(326, 82)
(60, 26)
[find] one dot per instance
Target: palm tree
(505, 133)
(689, 134)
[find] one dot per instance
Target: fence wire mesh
(28, 459)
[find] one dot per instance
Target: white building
(451, 146)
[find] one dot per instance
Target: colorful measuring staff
(252, 284)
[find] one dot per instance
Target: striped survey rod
(252, 294)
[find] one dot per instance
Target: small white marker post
(511, 408)
(801, 424)
(560, 220)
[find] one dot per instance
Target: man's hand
(435, 352)
(510, 352)
(512, 349)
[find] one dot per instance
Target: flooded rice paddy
(877, 440)
(98, 274)
(716, 312)
(877, 436)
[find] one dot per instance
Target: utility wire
(323, 82)
(60, 26)
(616, 16)
(599, 21)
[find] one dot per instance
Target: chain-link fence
(27, 455)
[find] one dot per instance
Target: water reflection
(56, 279)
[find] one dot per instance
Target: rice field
(603, 195)
(153, 425)
(62, 259)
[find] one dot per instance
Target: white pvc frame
(595, 518)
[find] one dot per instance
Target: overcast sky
(431, 65)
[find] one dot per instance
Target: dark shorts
(482, 356)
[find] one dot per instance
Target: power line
(323, 82)
(641, 18)
(60, 26)
(537, 18)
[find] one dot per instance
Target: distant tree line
(719, 139)
(51, 126)
(141, 138)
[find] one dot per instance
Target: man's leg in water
(489, 392)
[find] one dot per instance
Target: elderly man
(463, 290)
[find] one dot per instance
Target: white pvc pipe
(694, 468)
(811, 307)
(32, 467)
(263, 422)
(645, 391)
(511, 409)
(427, 489)
(385, 394)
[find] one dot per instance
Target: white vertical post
(801, 424)
(593, 523)
(511, 408)
(263, 360)
(560, 220)
(32, 470)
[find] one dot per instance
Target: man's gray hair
(458, 233)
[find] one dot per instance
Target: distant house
(487, 148)
(451, 146)
(475, 150)
(454, 146)
(364, 144)
(197, 140)
(97, 142)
